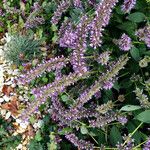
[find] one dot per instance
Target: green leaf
(130, 108)
(55, 38)
(54, 27)
(144, 116)
(128, 26)
(64, 98)
(115, 136)
(45, 80)
(135, 53)
(83, 130)
(65, 131)
(38, 136)
(136, 17)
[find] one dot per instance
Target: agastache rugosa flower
(125, 42)
(77, 3)
(64, 5)
(68, 36)
(103, 58)
(143, 99)
(147, 145)
(81, 144)
(109, 75)
(34, 22)
(102, 120)
(42, 93)
(128, 5)
(101, 20)
(77, 58)
(105, 107)
(51, 64)
(144, 35)
(126, 146)
(34, 19)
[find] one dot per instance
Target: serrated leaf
(144, 116)
(136, 17)
(115, 136)
(135, 53)
(130, 108)
(83, 130)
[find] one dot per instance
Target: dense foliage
(91, 84)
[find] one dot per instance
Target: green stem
(130, 135)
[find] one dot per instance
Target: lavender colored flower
(104, 78)
(34, 22)
(103, 58)
(92, 2)
(128, 145)
(68, 38)
(108, 85)
(98, 95)
(124, 42)
(1, 12)
(42, 93)
(122, 119)
(77, 58)
(64, 5)
(51, 64)
(128, 5)
(81, 144)
(147, 145)
(101, 20)
(77, 3)
(36, 6)
(144, 35)
(102, 120)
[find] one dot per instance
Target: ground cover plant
(84, 73)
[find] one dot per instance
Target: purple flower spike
(144, 35)
(81, 144)
(128, 5)
(147, 145)
(124, 42)
(108, 85)
(64, 5)
(101, 20)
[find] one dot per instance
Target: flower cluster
(34, 22)
(128, 145)
(77, 3)
(144, 62)
(42, 93)
(144, 35)
(101, 20)
(103, 58)
(77, 58)
(143, 99)
(64, 5)
(124, 42)
(109, 75)
(51, 64)
(128, 5)
(81, 144)
(147, 145)
(68, 37)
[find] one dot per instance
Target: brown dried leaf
(12, 106)
(7, 90)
